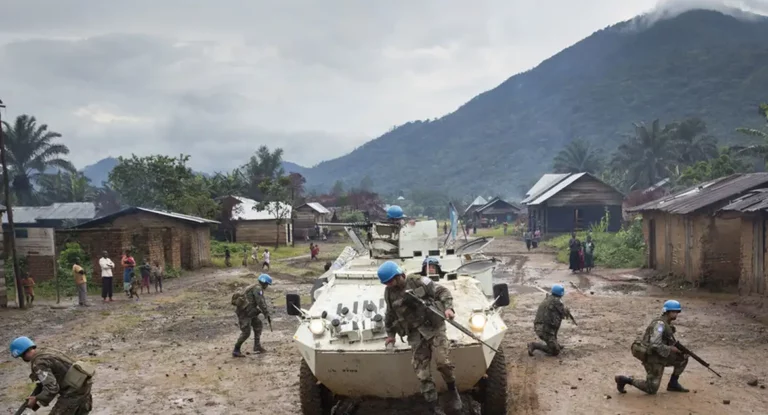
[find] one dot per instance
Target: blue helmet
(20, 345)
(265, 279)
(558, 290)
(395, 212)
(430, 261)
(387, 271)
(672, 305)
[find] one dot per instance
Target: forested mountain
(699, 64)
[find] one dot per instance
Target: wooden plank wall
(586, 191)
(261, 232)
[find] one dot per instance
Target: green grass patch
(236, 252)
(623, 249)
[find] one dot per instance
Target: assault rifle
(269, 320)
(695, 357)
(570, 316)
(23, 407)
(430, 306)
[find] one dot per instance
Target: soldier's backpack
(239, 299)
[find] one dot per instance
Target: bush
(623, 249)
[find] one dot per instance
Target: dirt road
(171, 353)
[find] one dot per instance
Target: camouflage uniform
(49, 368)
(425, 331)
(247, 312)
(547, 323)
(653, 349)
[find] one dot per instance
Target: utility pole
(20, 299)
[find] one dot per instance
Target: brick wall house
(182, 239)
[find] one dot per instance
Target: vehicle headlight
(317, 326)
(477, 322)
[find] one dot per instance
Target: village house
(469, 212)
(685, 235)
(172, 239)
(751, 210)
(496, 211)
(563, 203)
(261, 227)
(306, 217)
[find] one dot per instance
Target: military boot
(674, 385)
(236, 353)
(435, 409)
(531, 348)
(258, 349)
(454, 398)
(621, 382)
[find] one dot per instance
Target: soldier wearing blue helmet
(431, 266)
(395, 212)
(426, 332)
(655, 348)
(249, 303)
(58, 375)
(549, 316)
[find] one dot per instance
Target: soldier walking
(550, 314)
(656, 349)
(58, 374)
(426, 332)
(249, 304)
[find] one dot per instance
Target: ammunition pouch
(639, 351)
(78, 374)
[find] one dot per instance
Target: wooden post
(20, 299)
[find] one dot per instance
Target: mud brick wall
(93, 242)
(746, 257)
(41, 268)
(187, 246)
(721, 265)
(679, 243)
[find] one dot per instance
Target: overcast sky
(216, 79)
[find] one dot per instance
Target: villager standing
(550, 314)
(157, 276)
(528, 239)
(227, 257)
(245, 256)
(29, 288)
(589, 253)
(128, 263)
(81, 282)
(574, 245)
(107, 283)
(265, 263)
(425, 331)
(146, 272)
(59, 375)
(655, 348)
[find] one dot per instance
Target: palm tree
(691, 141)
(578, 156)
(647, 156)
(31, 151)
(65, 187)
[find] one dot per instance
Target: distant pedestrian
(255, 254)
(245, 256)
(29, 288)
(574, 246)
(80, 281)
(445, 228)
(265, 263)
(146, 272)
(528, 239)
(157, 275)
(536, 238)
(589, 254)
(133, 285)
(227, 257)
(128, 263)
(314, 251)
(505, 225)
(107, 283)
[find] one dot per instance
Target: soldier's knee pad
(653, 386)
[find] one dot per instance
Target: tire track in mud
(522, 383)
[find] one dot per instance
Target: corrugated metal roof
(497, 199)
(556, 188)
(705, 194)
(753, 201)
(246, 210)
(56, 211)
(317, 207)
(547, 181)
(479, 201)
(132, 210)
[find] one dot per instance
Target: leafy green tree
(760, 148)
(234, 183)
(162, 182)
(31, 151)
(691, 142)
(723, 165)
(338, 189)
(366, 184)
(65, 187)
(263, 165)
(276, 201)
(578, 156)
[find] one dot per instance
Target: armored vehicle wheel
(315, 398)
(493, 389)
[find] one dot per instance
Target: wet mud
(170, 353)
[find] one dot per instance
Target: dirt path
(170, 353)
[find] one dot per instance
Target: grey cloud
(217, 79)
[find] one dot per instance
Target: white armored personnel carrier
(341, 336)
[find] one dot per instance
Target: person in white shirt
(107, 284)
(265, 264)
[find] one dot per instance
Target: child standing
(29, 288)
(133, 285)
(145, 273)
(265, 264)
(157, 274)
(128, 263)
